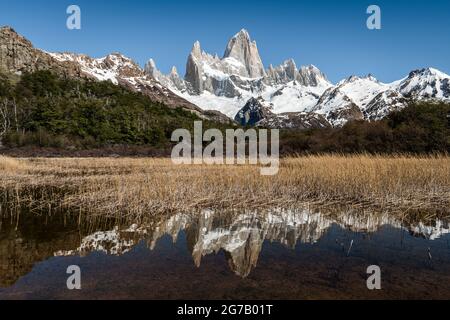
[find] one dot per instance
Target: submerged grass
(149, 186)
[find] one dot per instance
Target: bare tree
(5, 121)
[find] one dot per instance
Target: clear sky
(329, 34)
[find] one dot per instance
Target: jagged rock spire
(150, 69)
(244, 50)
(196, 49)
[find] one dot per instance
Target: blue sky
(329, 34)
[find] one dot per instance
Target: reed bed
(8, 164)
(138, 187)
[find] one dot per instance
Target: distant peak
(350, 79)
(9, 32)
(241, 48)
(290, 62)
(243, 33)
(150, 66)
(174, 71)
(428, 72)
(196, 49)
(371, 77)
(353, 78)
(7, 28)
(311, 67)
(151, 62)
(117, 55)
(151, 69)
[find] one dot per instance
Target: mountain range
(237, 86)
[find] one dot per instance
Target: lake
(298, 253)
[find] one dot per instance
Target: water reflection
(241, 236)
(271, 254)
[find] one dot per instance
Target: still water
(275, 254)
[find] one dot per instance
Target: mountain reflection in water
(240, 236)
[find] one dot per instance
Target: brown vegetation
(150, 186)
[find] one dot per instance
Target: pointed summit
(290, 68)
(196, 49)
(371, 77)
(5, 29)
(151, 69)
(241, 48)
(243, 33)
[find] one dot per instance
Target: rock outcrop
(17, 55)
(426, 83)
(308, 76)
(254, 111)
(244, 50)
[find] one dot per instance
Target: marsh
(144, 228)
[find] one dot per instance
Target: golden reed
(150, 186)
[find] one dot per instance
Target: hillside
(46, 110)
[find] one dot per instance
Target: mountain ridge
(221, 88)
(19, 56)
(210, 81)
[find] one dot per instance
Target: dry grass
(8, 164)
(146, 186)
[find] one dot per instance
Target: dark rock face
(426, 83)
(349, 112)
(445, 88)
(254, 111)
(259, 113)
(194, 75)
(295, 120)
(384, 103)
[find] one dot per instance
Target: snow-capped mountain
(426, 84)
(349, 99)
(228, 88)
(384, 103)
(123, 71)
(18, 55)
(226, 84)
(234, 83)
